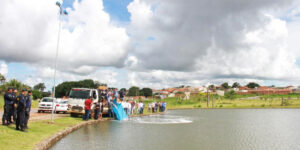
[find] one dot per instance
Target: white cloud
(169, 42)
(201, 41)
(45, 75)
(3, 68)
(88, 39)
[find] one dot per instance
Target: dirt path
(34, 116)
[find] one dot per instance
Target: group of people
(131, 107)
(108, 97)
(155, 106)
(17, 108)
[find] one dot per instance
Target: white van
(46, 104)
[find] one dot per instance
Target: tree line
(226, 86)
(37, 90)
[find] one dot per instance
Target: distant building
(220, 92)
(296, 90)
(264, 90)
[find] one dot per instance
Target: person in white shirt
(124, 105)
(128, 107)
(149, 107)
(141, 107)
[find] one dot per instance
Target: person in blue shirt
(28, 108)
(8, 107)
(14, 113)
(22, 98)
(116, 93)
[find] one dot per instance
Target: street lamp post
(61, 12)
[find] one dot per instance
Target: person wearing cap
(8, 107)
(28, 108)
(21, 111)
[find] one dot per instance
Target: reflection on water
(161, 119)
(232, 129)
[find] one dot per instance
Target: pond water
(226, 129)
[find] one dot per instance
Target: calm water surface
(224, 129)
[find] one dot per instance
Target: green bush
(285, 103)
(263, 105)
(37, 94)
(221, 106)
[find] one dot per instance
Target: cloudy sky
(152, 43)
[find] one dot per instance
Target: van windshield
(79, 93)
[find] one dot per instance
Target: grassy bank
(173, 103)
(35, 103)
(12, 139)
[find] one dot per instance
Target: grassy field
(173, 103)
(35, 103)
(12, 139)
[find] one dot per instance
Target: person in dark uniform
(8, 107)
(14, 113)
(28, 108)
(21, 111)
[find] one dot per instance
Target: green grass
(1, 102)
(12, 139)
(173, 103)
(34, 104)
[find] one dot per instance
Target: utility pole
(213, 103)
(207, 97)
(61, 12)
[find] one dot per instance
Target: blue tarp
(119, 111)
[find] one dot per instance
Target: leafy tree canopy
(230, 95)
(40, 87)
(134, 91)
(236, 85)
(147, 92)
(252, 85)
(225, 85)
(64, 88)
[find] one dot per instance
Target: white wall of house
(220, 92)
(171, 95)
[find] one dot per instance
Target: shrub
(199, 106)
(221, 106)
(286, 103)
(262, 105)
(37, 94)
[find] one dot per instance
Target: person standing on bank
(28, 108)
(14, 113)
(96, 110)
(21, 111)
(87, 108)
(8, 107)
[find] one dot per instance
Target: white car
(46, 104)
(61, 106)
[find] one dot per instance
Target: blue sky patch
(117, 9)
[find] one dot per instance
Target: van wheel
(57, 112)
(39, 111)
